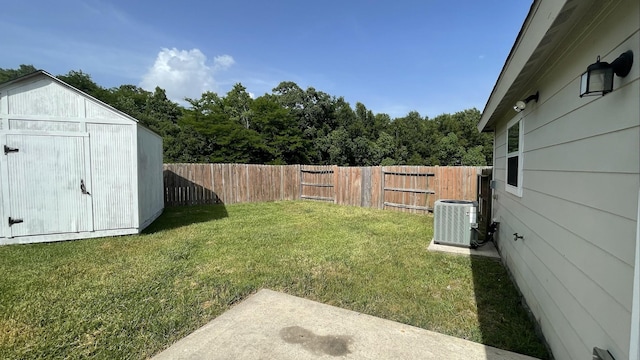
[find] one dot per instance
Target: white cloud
(184, 73)
(223, 62)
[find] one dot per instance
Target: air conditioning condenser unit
(455, 222)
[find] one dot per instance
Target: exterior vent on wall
(454, 222)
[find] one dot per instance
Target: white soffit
(547, 23)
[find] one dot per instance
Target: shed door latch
(9, 150)
(14, 221)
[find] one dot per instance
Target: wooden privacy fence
(405, 188)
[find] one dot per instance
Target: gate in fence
(402, 188)
(317, 183)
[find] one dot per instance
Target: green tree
(290, 125)
(185, 144)
(339, 147)
(346, 119)
(315, 116)
(386, 147)
(450, 152)
(318, 113)
(364, 152)
(381, 124)
(290, 95)
(474, 157)
(237, 105)
(10, 74)
(368, 121)
(410, 133)
(463, 124)
(208, 103)
(277, 127)
(83, 82)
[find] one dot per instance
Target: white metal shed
(71, 166)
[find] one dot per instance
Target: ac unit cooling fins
(454, 222)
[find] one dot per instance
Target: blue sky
(431, 56)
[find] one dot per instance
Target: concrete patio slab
(273, 325)
(488, 250)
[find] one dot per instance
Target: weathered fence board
(408, 188)
(317, 182)
(401, 188)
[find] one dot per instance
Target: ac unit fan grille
(454, 222)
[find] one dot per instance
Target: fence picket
(401, 188)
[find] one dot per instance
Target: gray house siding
(578, 208)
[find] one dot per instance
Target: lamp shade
(597, 80)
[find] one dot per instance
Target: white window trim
(515, 190)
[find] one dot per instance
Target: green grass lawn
(131, 297)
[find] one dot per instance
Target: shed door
(45, 174)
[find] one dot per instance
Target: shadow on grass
(498, 299)
(186, 203)
(178, 216)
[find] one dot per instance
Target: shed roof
(42, 73)
(546, 25)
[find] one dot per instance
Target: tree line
(290, 125)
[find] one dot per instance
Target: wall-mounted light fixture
(521, 104)
(598, 79)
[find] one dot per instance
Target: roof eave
(538, 21)
(23, 78)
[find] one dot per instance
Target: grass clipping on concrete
(131, 297)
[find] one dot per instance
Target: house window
(514, 157)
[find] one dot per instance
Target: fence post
(336, 183)
(186, 184)
(365, 187)
(300, 181)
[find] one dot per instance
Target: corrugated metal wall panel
(111, 170)
(95, 111)
(57, 204)
(43, 97)
(150, 180)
